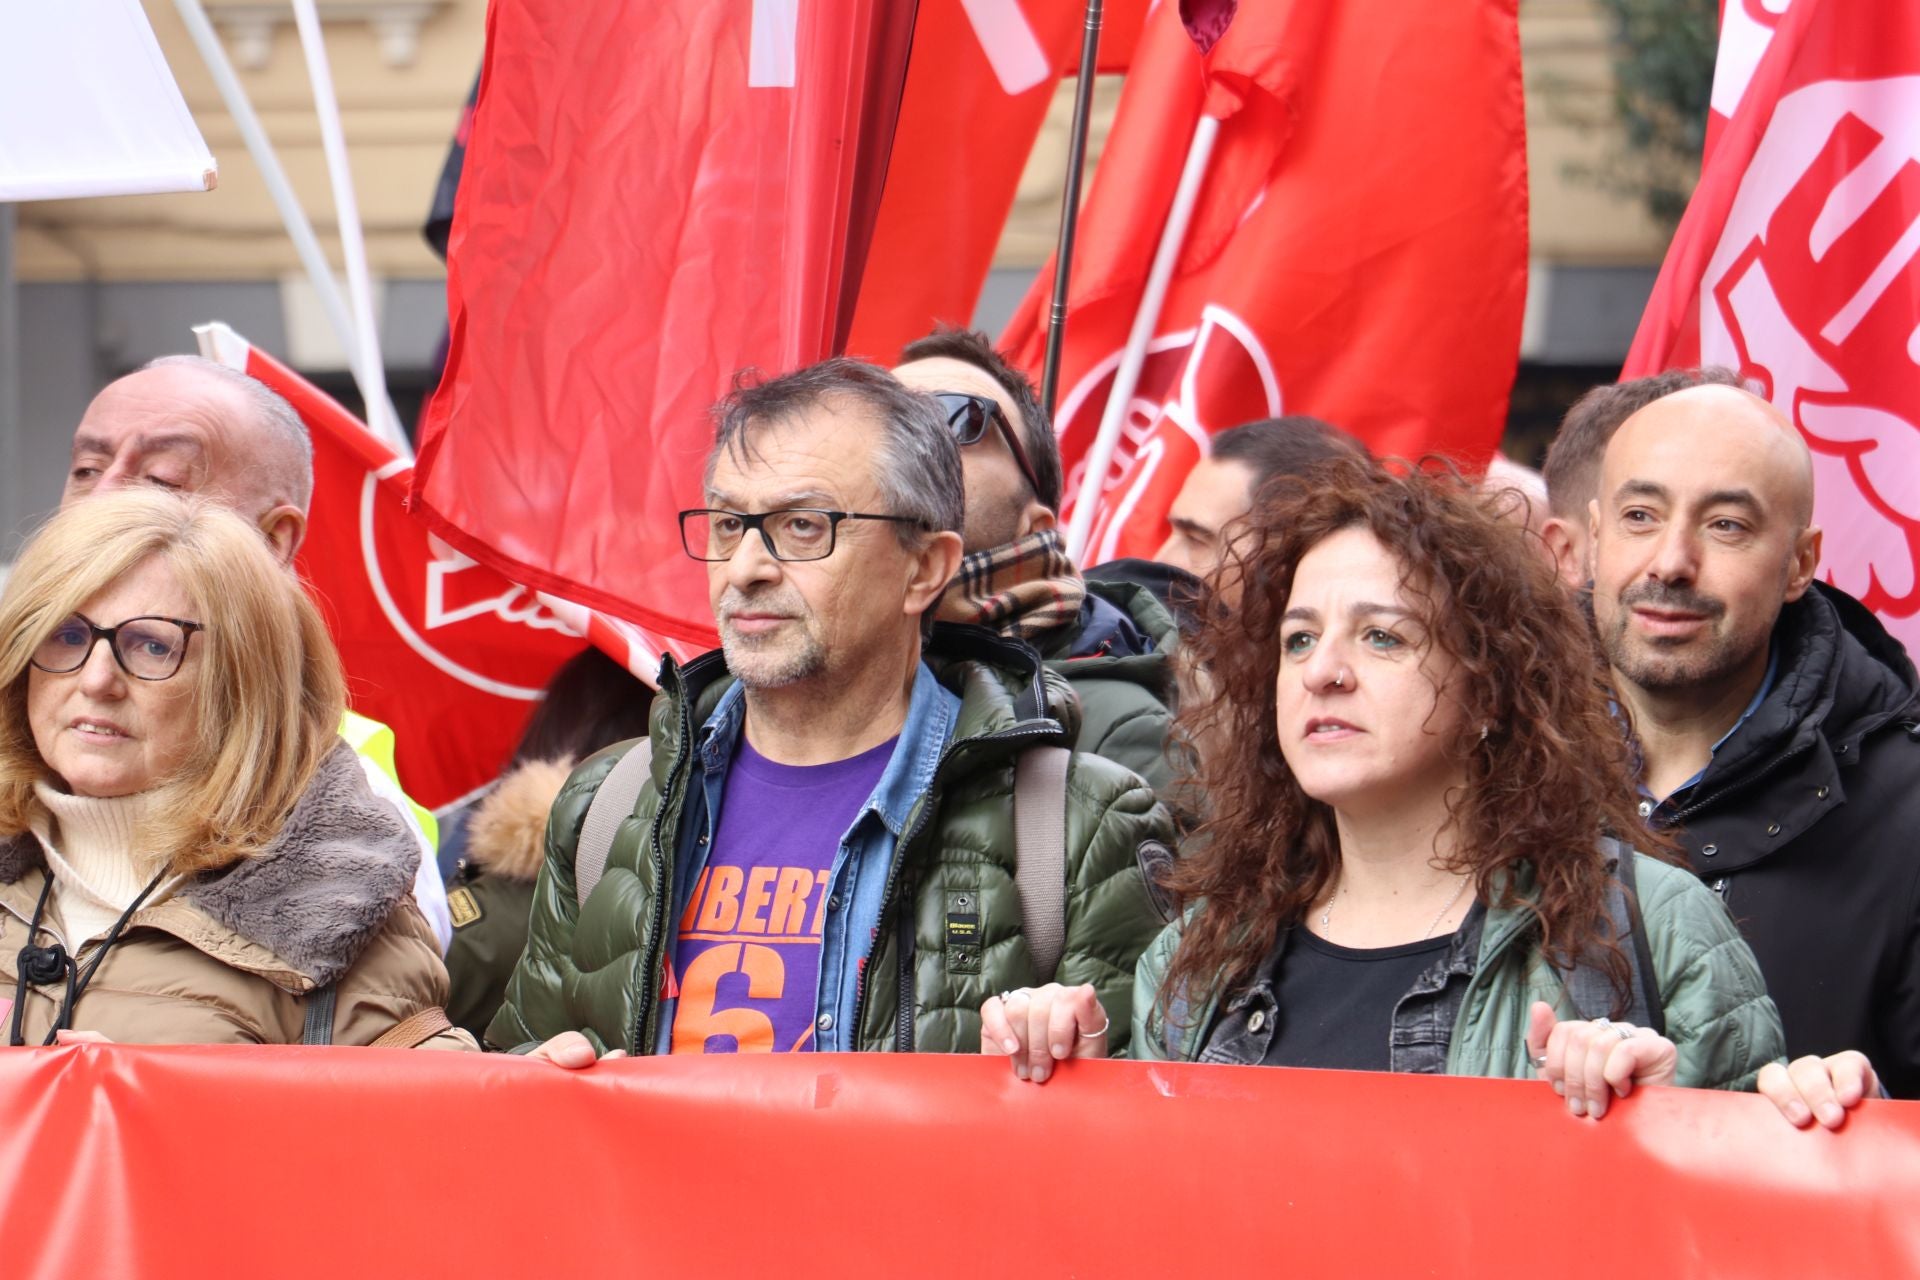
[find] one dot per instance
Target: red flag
(1798, 263)
(1357, 250)
(978, 87)
(446, 652)
(654, 196)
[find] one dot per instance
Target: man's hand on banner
(572, 1051)
(1589, 1061)
(1814, 1088)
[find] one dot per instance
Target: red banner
(444, 650)
(1357, 250)
(1798, 263)
(654, 196)
(325, 1163)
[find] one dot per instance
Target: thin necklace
(1439, 915)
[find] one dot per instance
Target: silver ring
(1005, 996)
(1539, 1063)
(1626, 1029)
(1100, 1030)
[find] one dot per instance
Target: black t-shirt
(1336, 1003)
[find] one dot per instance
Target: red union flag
(1357, 249)
(982, 76)
(654, 195)
(1798, 263)
(446, 652)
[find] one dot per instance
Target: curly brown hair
(1553, 774)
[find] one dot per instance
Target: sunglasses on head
(968, 417)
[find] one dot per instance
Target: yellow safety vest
(374, 741)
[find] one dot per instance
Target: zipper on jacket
(1778, 762)
(903, 1017)
(663, 889)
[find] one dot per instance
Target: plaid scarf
(1023, 589)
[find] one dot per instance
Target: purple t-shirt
(747, 959)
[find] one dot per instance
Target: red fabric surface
(1358, 251)
(444, 651)
(978, 85)
(345, 1162)
(654, 196)
(1798, 263)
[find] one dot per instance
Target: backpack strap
(1040, 850)
(1649, 1011)
(1588, 985)
(611, 805)
(412, 1032)
(320, 1002)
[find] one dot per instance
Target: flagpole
(1127, 376)
(326, 106)
(299, 228)
(1070, 205)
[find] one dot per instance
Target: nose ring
(1340, 680)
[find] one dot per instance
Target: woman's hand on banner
(1589, 1061)
(1039, 1026)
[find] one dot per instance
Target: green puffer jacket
(1126, 702)
(1717, 1009)
(598, 967)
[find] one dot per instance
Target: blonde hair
(267, 686)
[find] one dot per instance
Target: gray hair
(268, 412)
(917, 466)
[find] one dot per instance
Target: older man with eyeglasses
(1112, 640)
(822, 852)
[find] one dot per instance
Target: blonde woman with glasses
(188, 852)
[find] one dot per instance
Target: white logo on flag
(1801, 292)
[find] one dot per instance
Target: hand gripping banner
(327, 1163)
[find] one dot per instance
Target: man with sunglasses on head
(816, 849)
(185, 424)
(1111, 640)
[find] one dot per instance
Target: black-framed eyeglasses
(147, 648)
(793, 533)
(968, 416)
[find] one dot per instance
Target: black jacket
(1807, 823)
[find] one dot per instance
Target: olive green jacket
(598, 967)
(1127, 702)
(1717, 1010)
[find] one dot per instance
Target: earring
(1483, 732)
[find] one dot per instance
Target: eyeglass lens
(147, 648)
(793, 535)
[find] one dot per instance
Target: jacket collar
(931, 713)
(1009, 699)
(301, 911)
(1841, 677)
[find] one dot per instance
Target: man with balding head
(191, 425)
(1775, 717)
(196, 426)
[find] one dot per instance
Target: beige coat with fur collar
(231, 957)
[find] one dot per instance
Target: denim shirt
(861, 866)
(1422, 1027)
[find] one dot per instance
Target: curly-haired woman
(1410, 765)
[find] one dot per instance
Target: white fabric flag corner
(88, 106)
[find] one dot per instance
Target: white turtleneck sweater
(92, 855)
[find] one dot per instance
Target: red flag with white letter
(1357, 245)
(443, 650)
(654, 196)
(1798, 263)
